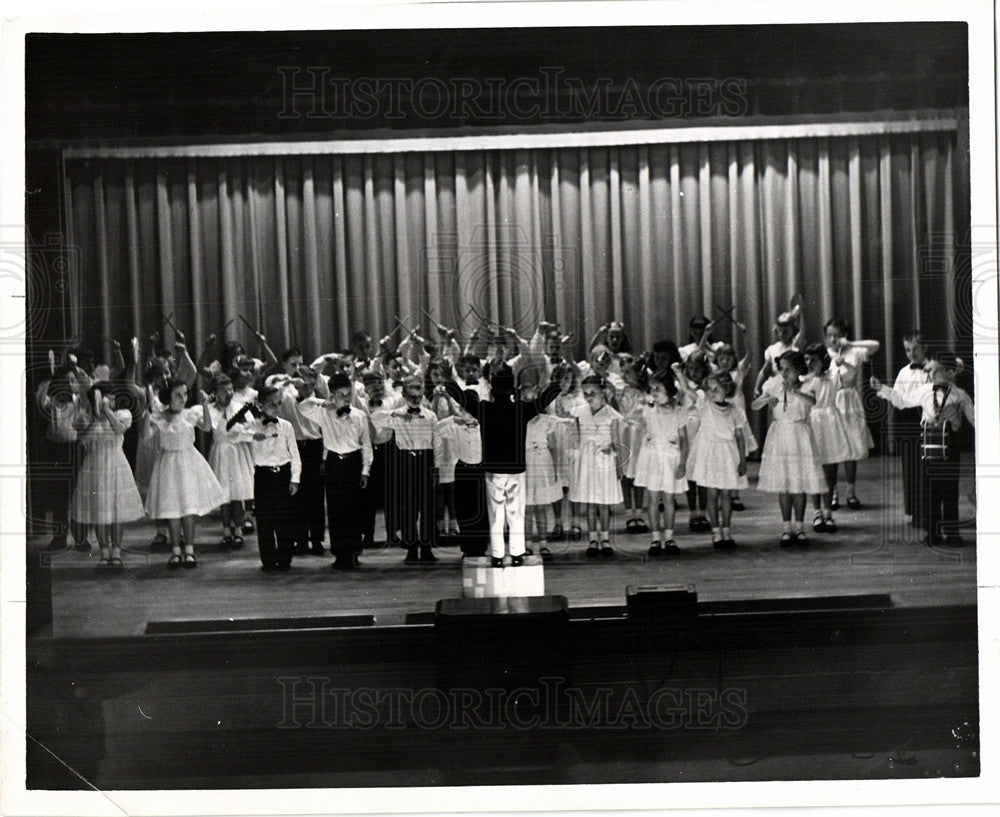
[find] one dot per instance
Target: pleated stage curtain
(311, 247)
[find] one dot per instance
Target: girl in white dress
(231, 458)
(597, 479)
(829, 430)
(718, 459)
(789, 466)
(541, 487)
(636, 378)
(182, 486)
(848, 356)
(726, 362)
(690, 378)
(789, 335)
(157, 375)
(661, 466)
(105, 494)
(567, 448)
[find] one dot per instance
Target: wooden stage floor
(874, 552)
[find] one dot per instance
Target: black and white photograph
(427, 401)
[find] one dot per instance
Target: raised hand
(135, 350)
(875, 383)
(209, 341)
(179, 338)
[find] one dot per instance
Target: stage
(874, 551)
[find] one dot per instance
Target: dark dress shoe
(593, 551)
(412, 557)
(427, 555)
(496, 561)
(516, 561)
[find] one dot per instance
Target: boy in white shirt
(277, 467)
(943, 405)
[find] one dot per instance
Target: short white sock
(668, 535)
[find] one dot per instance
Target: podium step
(481, 580)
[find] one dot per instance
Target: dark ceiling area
(227, 84)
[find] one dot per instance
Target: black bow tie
(917, 367)
(269, 420)
(941, 387)
(413, 411)
(555, 359)
(374, 403)
(472, 382)
(344, 411)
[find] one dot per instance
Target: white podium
(480, 580)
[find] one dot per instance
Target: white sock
(668, 535)
(788, 526)
(716, 536)
(725, 533)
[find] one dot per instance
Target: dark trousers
(697, 497)
(470, 507)
(907, 438)
(309, 520)
(345, 502)
(414, 490)
(54, 476)
(375, 496)
(937, 507)
(390, 494)
(275, 512)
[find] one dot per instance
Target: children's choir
(497, 446)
